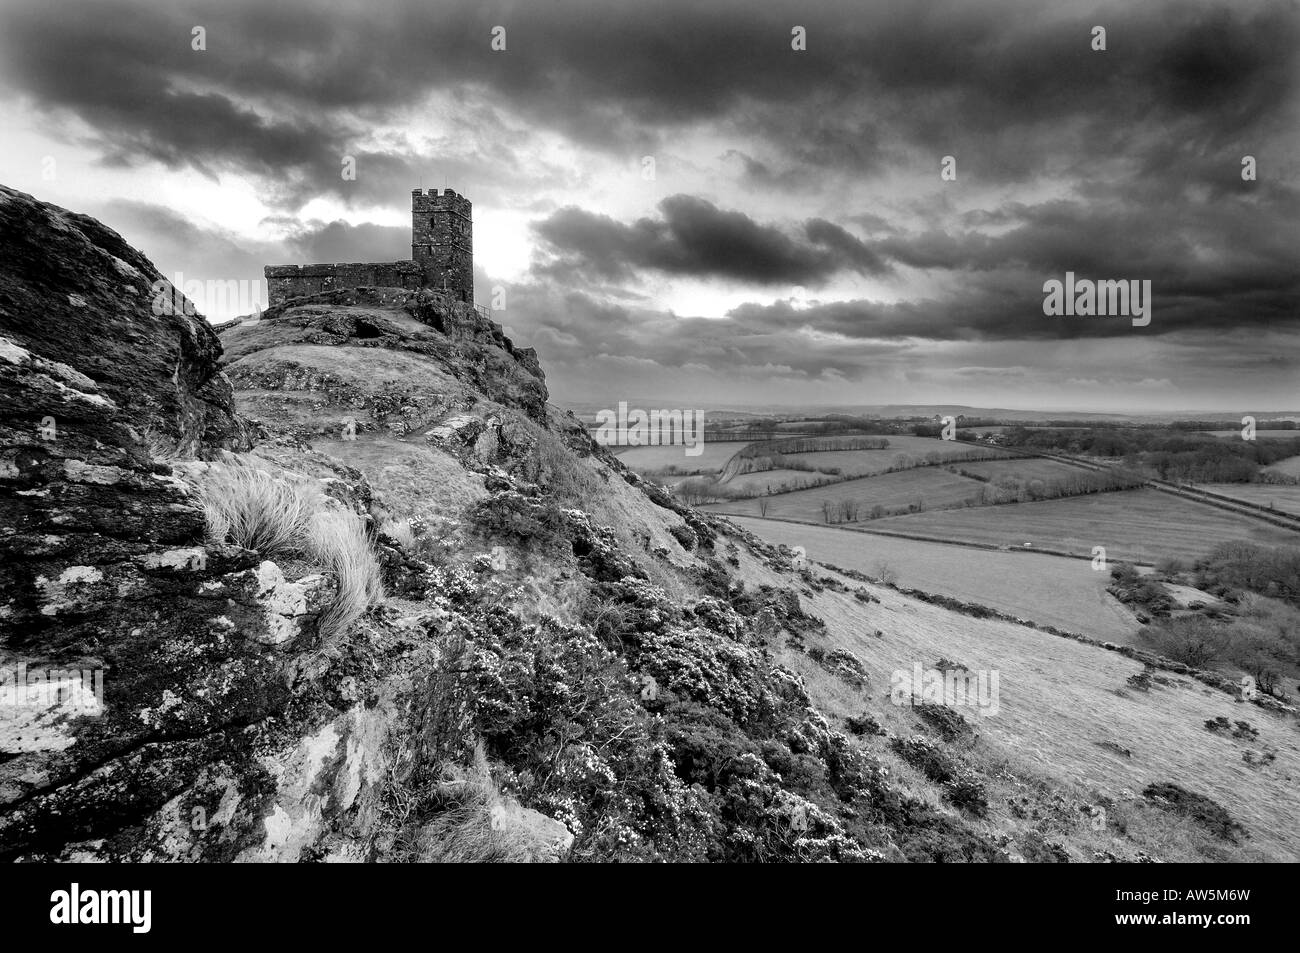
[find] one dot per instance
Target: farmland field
(1284, 498)
(1051, 590)
(1140, 525)
(934, 485)
(900, 449)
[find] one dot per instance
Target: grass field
(1290, 466)
(1051, 590)
(1283, 498)
(1028, 469)
(1141, 525)
(934, 485)
(647, 459)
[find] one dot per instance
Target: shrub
(1201, 809)
(557, 470)
(864, 725)
(526, 519)
(684, 535)
(961, 786)
(1192, 640)
(884, 573)
(281, 516)
(1170, 566)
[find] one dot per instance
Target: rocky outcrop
(163, 696)
(396, 360)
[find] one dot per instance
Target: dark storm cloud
(1228, 263)
(696, 238)
(284, 89)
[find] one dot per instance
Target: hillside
(357, 591)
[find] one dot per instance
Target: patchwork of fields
(931, 486)
(1139, 525)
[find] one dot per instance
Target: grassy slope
(1058, 699)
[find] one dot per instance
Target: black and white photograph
(596, 431)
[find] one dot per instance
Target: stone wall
(296, 281)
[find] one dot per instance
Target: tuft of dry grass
(337, 541)
(276, 515)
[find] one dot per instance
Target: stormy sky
(672, 204)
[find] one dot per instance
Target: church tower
(442, 241)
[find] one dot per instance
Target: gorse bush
(279, 516)
(527, 520)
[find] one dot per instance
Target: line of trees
(1014, 488)
(1167, 453)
